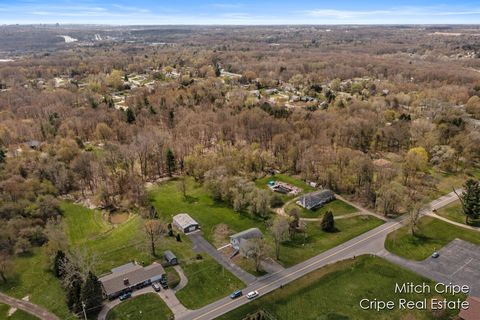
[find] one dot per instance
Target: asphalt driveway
(202, 245)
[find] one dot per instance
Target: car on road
(435, 254)
(125, 296)
(236, 294)
(156, 286)
(252, 294)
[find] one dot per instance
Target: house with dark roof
(315, 200)
(252, 233)
(130, 277)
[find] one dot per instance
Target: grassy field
(207, 281)
(455, 213)
(145, 307)
(31, 278)
(338, 208)
(317, 241)
(17, 315)
(169, 201)
(334, 292)
(82, 223)
(433, 234)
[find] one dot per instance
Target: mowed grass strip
(335, 291)
(433, 234)
(145, 307)
(169, 201)
(338, 208)
(207, 282)
(454, 212)
(318, 241)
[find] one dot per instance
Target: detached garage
(185, 223)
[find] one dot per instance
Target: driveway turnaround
(202, 245)
(29, 307)
(458, 264)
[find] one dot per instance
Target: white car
(252, 294)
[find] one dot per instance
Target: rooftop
(135, 274)
(248, 234)
(184, 220)
(473, 311)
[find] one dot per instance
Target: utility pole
(84, 312)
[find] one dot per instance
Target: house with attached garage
(130, 277)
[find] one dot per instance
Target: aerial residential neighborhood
(202, 160)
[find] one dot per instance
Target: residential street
(26, 306)
(371, 242)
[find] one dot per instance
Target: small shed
(252, 233)
(185, 223)
(170, 258)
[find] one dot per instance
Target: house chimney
(126, 282)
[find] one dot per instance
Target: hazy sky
(239, 12)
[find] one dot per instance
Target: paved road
(202, 245)
(29, 307)
(371, 242)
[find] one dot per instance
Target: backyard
(363, 277)
(433, 234)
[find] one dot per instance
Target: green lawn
(30, 277)
(455, 213)
(207, 281)
(433, 234)
(334, 293)
(17, 315)
(169, 201)
(145, 307)
(82, 223)
(317, 241)
(338, 208)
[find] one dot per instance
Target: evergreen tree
(125, 77)
(73, 294)
(2, 156)
(328, 222)
(59, 264)
(91, 293)
(130, 116)
(470, 199)
(170, 162)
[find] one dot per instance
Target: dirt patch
(118, 218)
(220, 234)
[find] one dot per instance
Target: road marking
(303, 268)
(466, 264)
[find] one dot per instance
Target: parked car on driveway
(252, 294)
(156, 286)
(125, 296)
(163, 282)
(236, 294)
(435, 254)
